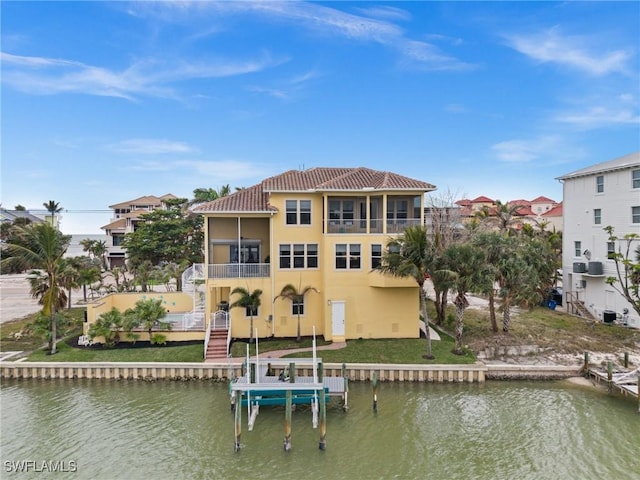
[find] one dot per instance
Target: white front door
(337, 318)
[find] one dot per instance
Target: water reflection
(175, 430)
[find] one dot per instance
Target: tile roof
(554, 212)
(256, 198)
(482, 199)
(542, 199)
(145, 200)
(115, 225)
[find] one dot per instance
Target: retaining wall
(476, 373)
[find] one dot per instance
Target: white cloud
(150, 146)
(225, 171)
(578, 52)
(596, 117)
(149, 77)
(545, 149)
(313, 17)
(385, 13)
(455, 108)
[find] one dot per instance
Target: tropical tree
(490, 243)
(69, 274)
(627, 261)
(97, 249)
(250, 301)
(53, 208)
(166, 235)
(88, 274)
(465, 263)
(41, 246)
(503, 216)
(296, 295)
(410, 255)
(148, 314)
(110, 324)
(202, 195)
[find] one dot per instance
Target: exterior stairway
(217, 347)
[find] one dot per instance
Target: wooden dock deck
(625, 382)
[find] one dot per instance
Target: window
(635, 178)
(635, 214)
(597, 216)
(298, 212)
(117, 239)
(376, 255)
(350, 252)
(285, 256)
(292, 212)
(354, 255)
(577, 249)
(251, 311)
(341, 211)
(341, 256)
(611, 250)
(298, 255)
(600, 183)
(297, 306)
(397, 209)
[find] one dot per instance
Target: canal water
(174, 430)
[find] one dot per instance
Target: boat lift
(260, 385)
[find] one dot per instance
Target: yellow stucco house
(324, 228)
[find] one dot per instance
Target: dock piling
(626, 359)
(323, 421)
(610, 375)
(238, 428)
(374, 380)
(345, 395)
(287, 422)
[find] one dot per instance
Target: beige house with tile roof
(325, 228)
(126, 216)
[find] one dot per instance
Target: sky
(104, 102)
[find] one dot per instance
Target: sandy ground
(15, 299)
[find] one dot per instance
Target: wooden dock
(624, 381)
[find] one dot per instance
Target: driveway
(15, 297)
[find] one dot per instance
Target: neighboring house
(537, 212)
(126, 216)
(595, 197)
(324, 228)
(12, 215)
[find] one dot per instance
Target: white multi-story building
(606, 194)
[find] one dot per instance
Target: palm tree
(202, 195)
(148, 314)
(88, 274)
(40, 246)
(297, 299)
(250, 301)
(69, 275)
(409, 255)
(465, 264)
(109, 325)
(53, 208)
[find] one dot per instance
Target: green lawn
(66, 353)
(392, 351)
(551, 329)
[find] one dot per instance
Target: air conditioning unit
(579, 267)
(595, 268)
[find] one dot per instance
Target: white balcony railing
(239, 270)
(359, 226)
